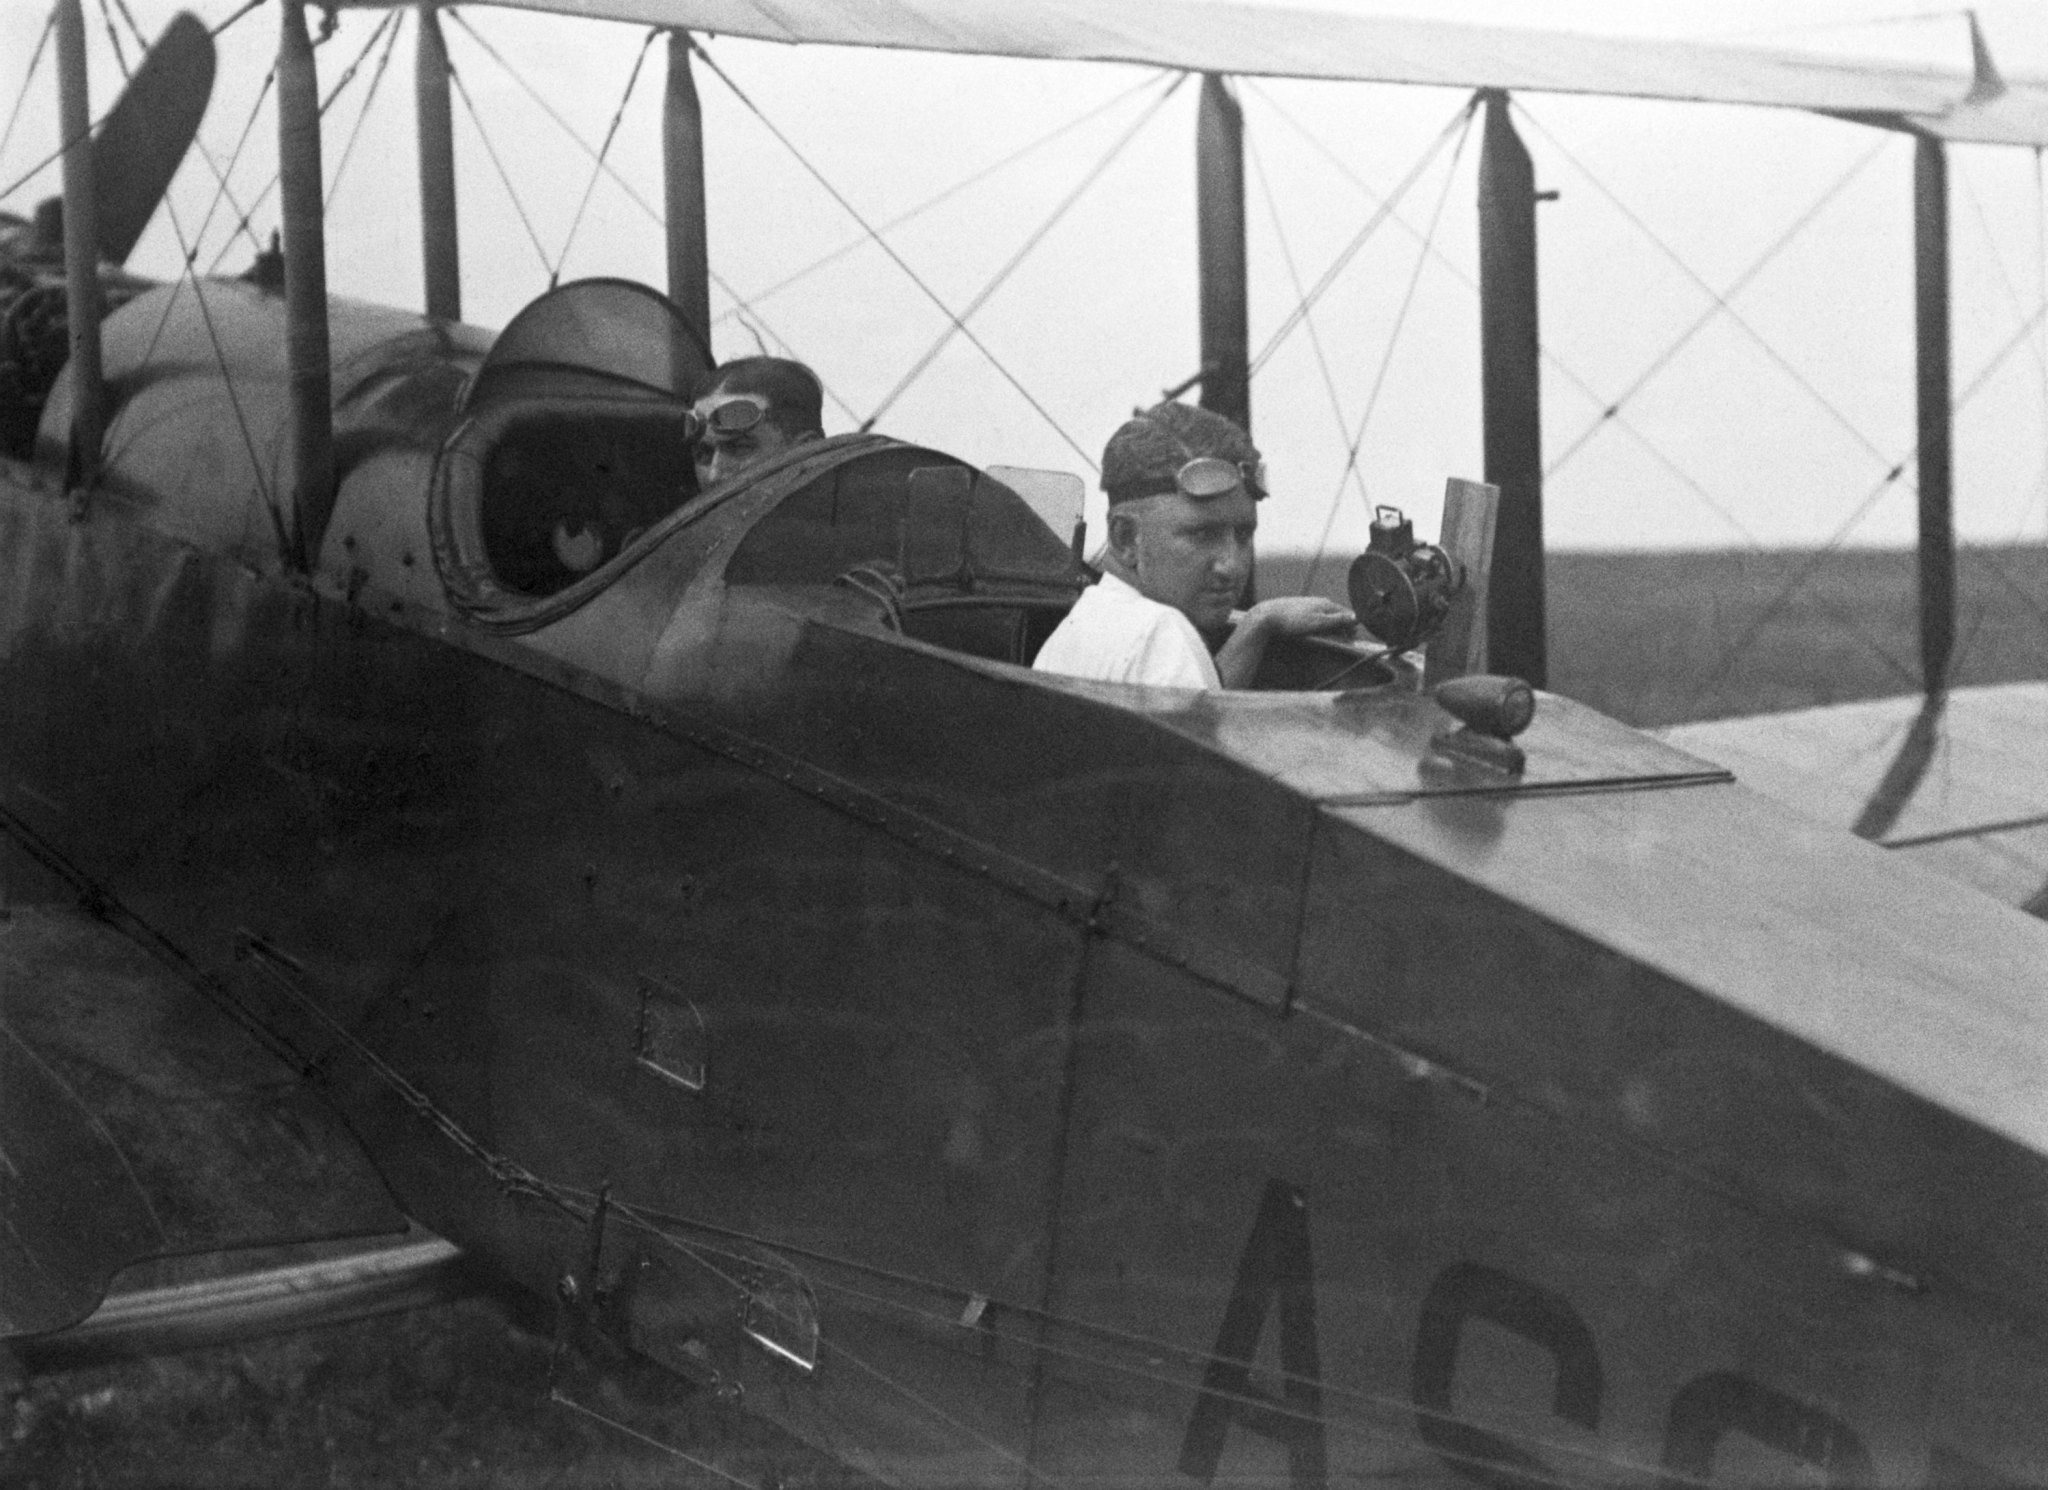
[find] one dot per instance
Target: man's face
(1194, 556)
(722, 456)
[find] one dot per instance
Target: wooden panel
(1470, 511)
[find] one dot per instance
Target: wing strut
(1219, 225)
(81, 249)
(311, 474)
(440, 248)
(1511, 394)
(682, 148)
(1936, 412)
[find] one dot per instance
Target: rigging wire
(455, 76)
(2005, 278)
(611, 132)
(972, 179)
(1030, 244)
(1458, 121)
(35, 60)
(363, 114)
(1721, 303)
(1805, 571)
(1554, 362)
(187, 254)
(1551, 359)
(1315, 338)
(213, 166)
(242, 218)
(341, 84)
(247, 6)
(561, 1398)
(1393, 341)
(114, 39)
(1984, 556)
(894, 257)
(639, 200)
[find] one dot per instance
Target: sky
(1774, 424)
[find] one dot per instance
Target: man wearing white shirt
(1183, 486)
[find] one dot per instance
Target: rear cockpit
(574, 441)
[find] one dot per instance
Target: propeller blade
(146, 136)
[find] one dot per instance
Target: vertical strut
(1511, 395)
(1932, 365)
(1219, 225)
(81, 249)
(682, 139)
(440, 247)
(310, 478)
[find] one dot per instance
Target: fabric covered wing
(1296, 43)
(1960, 786)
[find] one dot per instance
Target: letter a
(1276, 1261)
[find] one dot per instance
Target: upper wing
(1283, 42)
(1958, 784)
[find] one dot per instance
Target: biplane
(714, 931)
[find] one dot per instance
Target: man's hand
(1287, 615)
(1299, 615)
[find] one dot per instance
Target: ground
(458, 1395)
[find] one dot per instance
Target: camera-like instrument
(1401, 589)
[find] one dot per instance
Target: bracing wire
(1685, 479)
(1387, 357)
(1721, 304)
(504, 176)
(597, 171)
(1764, 617)
(2005, 277)
(246, 7)
(114, 39)
(187, 252)
(341, 85)
(348, 150)
(1315, 338)
(34, 60)
(562, 1399)
(213, 166)
(894, 257)
(755, 322)
(946, 194)
(1372, 225)
(1030, 244)
(1551, 359)
(242, 218)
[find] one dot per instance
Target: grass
(1660, 638)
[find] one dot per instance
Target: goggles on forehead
(1211, 476)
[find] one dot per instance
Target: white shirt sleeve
(1116, 635)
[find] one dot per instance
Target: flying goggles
(1202, 478)
(722, 421)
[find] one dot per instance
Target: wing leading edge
(1292, 43)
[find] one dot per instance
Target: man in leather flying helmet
(1184, 486)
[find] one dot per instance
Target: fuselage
(1052, 1080)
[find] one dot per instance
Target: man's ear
(1123, 536)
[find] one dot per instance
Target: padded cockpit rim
(455, 517)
